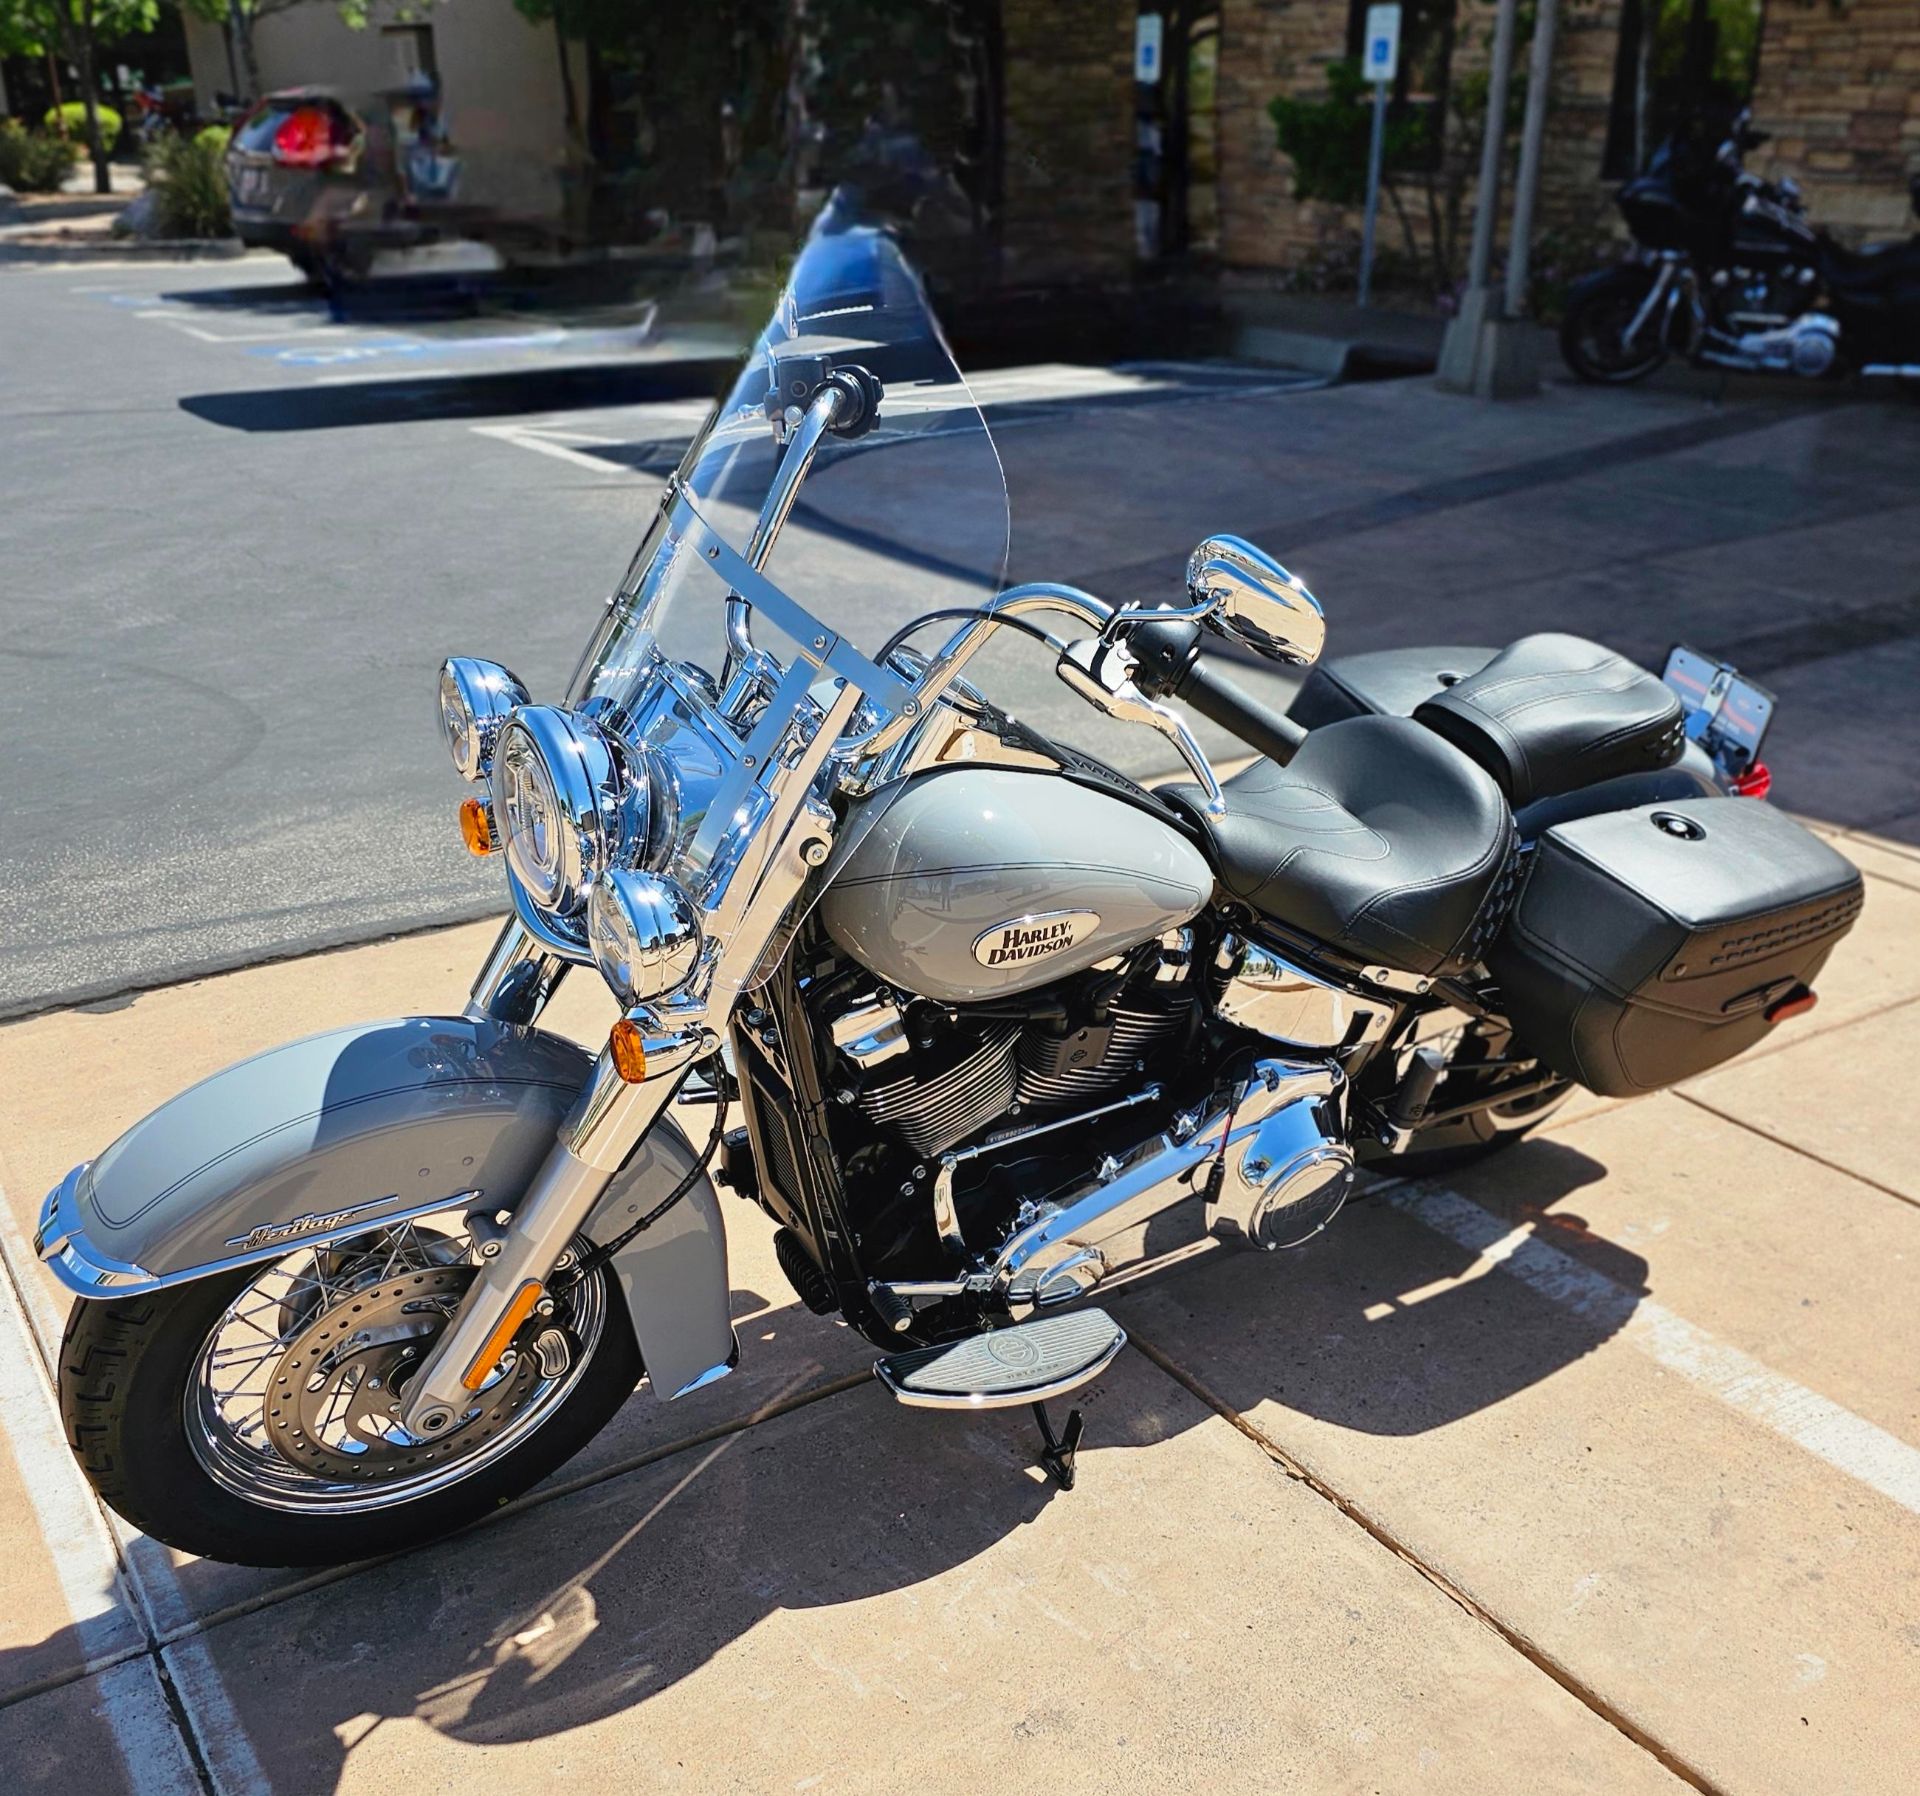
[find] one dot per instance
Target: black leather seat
(1552, 713)
(1873, 268)
(1377, 838)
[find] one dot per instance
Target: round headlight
(645, 934)
(567, 803)
(476, 699)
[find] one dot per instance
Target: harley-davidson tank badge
(1034, 938)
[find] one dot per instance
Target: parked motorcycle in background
(1729, 272)
(1004, 1026)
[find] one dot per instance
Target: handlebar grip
(1171, 665)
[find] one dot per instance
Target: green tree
(71, 30)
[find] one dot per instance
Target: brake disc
(333, 1398)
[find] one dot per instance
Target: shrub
(189, 176)
(1328, 140)
(31, 162)
(70, 121)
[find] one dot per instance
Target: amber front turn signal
(502, 1337)
(629, 1050)
(476, 826)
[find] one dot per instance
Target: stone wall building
(1839, 85)
(1082, 175)
(1837, 82)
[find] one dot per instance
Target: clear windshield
(905, 517)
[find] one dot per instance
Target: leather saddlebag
(1651, 944)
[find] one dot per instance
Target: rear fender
(325, 1138)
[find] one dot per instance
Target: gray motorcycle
(1002, 1025)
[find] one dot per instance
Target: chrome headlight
(476, 699)
(645, 934)
(567, 802)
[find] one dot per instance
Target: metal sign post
(1380, 63)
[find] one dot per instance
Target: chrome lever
(1100, 674)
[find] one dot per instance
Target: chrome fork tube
(611, 1116)
(1654, 294)
(607, 1119)
(518, 978)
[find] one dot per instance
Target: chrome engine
(1091, 1145)
(1808, 346)
(932, 1077)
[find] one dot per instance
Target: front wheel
(1593, 332)
(250, 1417)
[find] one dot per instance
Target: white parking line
(524, 436)
(82, 1546)
(77, 1543)
(271, 336)
(1849, 1443)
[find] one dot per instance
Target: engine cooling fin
(1061, 1069)
(931, 1114)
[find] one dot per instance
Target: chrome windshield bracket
(802, 443)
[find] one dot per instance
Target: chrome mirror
(1255, 600)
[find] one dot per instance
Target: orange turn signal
(502, 1337)
(476, 826)
(629, 1050)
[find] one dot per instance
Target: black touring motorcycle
(1729, 272)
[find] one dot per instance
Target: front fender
(324, 1138)
(1629, 275)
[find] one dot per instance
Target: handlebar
(1169, 664)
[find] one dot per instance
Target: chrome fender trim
(304, 1144)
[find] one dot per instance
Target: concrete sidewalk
(1595, 1471)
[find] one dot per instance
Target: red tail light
(1796, 1003)
(311, 137)
(1756, 782)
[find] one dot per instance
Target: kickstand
(1057, 1455)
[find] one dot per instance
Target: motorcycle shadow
(1386, 1325)
(851, 1549)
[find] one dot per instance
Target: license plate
(1727, 714)
(251, 187)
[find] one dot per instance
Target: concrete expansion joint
(1805, 1153)
(1536, 1656)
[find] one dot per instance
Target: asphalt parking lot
(1594, 1469)
(240, 535)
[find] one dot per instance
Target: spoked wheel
(1593, 333)
(255, 1417)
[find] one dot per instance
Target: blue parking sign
(1381, 61)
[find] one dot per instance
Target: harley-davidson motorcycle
(1729, 272)
(1004, 1026)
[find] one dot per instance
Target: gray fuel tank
(971, 883)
